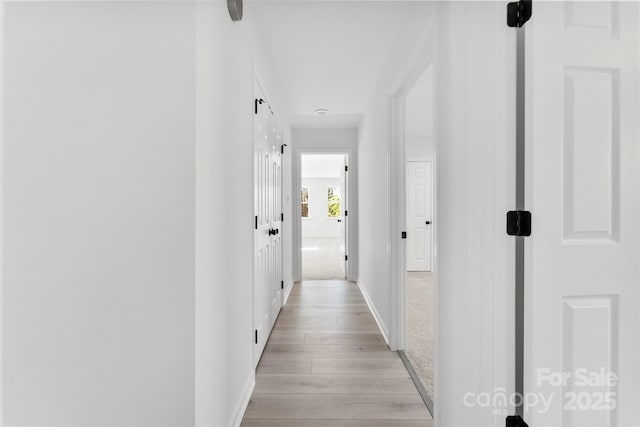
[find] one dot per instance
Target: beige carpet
(420, 326)
(322, 259)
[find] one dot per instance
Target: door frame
(398, 185)
(348, 203)
(2, 148)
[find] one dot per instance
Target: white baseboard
(374, 312)
(241, 406)
(287, 292)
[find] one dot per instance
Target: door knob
(339, 220)
(272, 232)
(428, 222)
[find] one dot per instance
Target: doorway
(419, 166)
(323, 212)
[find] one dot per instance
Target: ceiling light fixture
(321, 111)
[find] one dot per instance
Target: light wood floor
(326, 364)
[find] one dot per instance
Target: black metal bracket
(518, 13)
(282, 148)
(519, 223)
(256, 103)
(403, 235)
(515, 421)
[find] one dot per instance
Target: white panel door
(267, 292)
(583, 188)
(419, 190)
(275, 195)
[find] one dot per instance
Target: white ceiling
(420, 107)
(322, 165)
(330, 54)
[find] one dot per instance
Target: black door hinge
(282, 217)
(346, 213)
(256, 225)
(403, 235)
(282, 148)
(346, 168)
(256, 336)
(282, 284)
(518, 13)
(515, 421)
(346, 257)
(519, 223)
(256, 103)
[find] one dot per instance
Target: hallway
(326, 364)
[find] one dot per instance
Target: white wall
(229, 55)
(331, 140)
(98, 220)
(126, 292)
(475, 162)
(318, 223)
(419, 118)
(373, 198)
(325, 139)
(419, 115)
(474, 175)
(419, 149)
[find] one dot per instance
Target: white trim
(254, 81)
(2, 148)
(412, 71)
(397, 224)
(287, 292)
(372, 308)
(238, 413)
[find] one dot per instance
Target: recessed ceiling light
(321, 111)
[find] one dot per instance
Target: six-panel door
(583, 188)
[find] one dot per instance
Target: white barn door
(582, 267)
(419, 198)
(267, 292)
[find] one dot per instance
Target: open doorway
(419, 167)
(323, 211)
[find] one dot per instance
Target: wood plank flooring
(326, 364)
